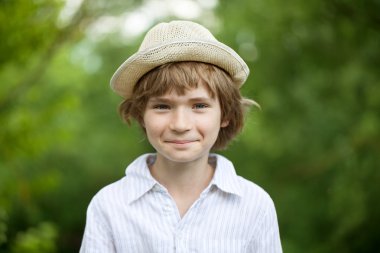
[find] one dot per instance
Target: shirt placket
(181, 233)
(179, 226)
(169, 213)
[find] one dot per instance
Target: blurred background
(314, 146)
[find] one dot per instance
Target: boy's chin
(184, 157)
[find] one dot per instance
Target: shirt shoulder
(252, 192)
(133, 185)
(227, 179)
(113, 192)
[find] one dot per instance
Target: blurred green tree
(36, 240)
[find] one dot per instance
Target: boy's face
(183, 128)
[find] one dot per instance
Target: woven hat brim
(128, 74)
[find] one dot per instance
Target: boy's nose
(181, 121)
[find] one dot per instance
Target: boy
(182, 87)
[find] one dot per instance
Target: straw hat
(174, 42)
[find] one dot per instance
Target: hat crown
(177, 41)
(175, 31)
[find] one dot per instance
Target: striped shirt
(137, 214)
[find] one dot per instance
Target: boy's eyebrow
(158, 99)
(167, 100)
(206, 99)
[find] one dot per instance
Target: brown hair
(181, 76)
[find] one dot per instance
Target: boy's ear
(225, 123)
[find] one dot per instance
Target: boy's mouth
(180, 141)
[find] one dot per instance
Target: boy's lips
(180, 141)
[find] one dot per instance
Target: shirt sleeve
(267, 238)
(97, 236)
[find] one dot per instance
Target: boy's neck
(182, 178)
(184, 181)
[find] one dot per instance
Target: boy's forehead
(190, 92)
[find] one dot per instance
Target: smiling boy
(182, 87)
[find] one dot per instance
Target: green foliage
(3, 226)
(24, 25)
(36, 240)
(314, 145)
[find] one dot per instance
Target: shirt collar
(225, 177)
(140, 181)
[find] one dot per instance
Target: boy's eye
(161, 107)
(200, 106)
